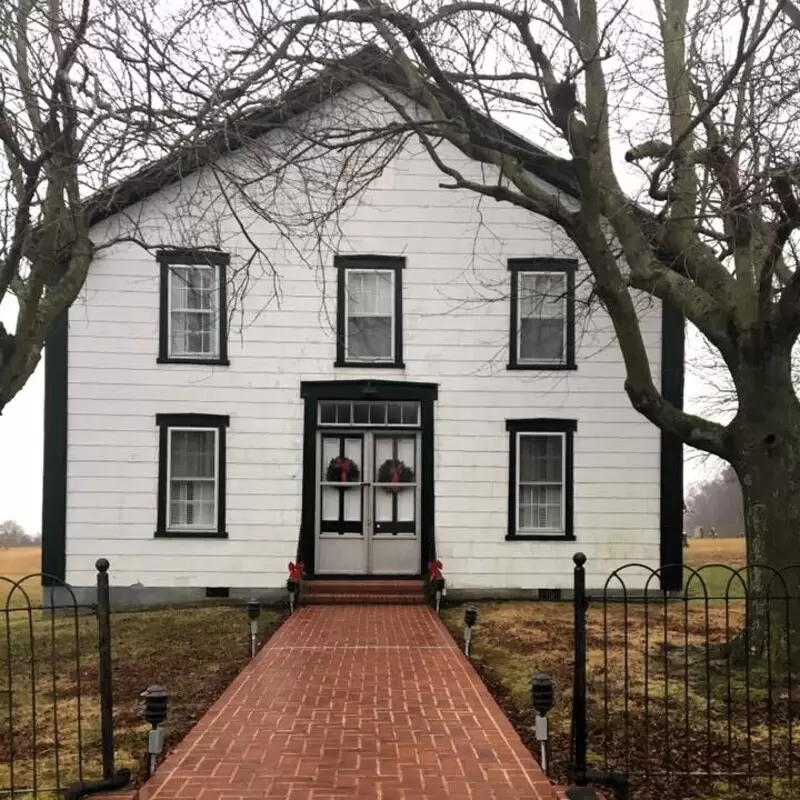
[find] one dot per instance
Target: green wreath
(393, 471)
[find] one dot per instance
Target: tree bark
(765, 442)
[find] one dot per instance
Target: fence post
(578, 768)
(104, 652)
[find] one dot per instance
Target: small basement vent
(550, 595)
(217, 592)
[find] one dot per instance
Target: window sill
(542, 367)
(211, 362)
(370, 364)
(190, 535)
(540, 537)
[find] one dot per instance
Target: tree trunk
(765, 446)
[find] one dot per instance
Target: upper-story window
(369, 329)
(193, 315)
(542, 314)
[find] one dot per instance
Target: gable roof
(370, 61)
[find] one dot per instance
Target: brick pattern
(352, 702)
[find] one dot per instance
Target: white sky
(21, 441)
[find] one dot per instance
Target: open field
(16, 563)
(657, 702)
(54, 702)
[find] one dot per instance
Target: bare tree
(701, 104)
(716, 503)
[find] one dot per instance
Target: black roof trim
(371, 62)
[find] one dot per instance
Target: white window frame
(215, 313)
(192, 528)
(561, 530)
(562, 360)
(350, 359)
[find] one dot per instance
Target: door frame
(312, 392)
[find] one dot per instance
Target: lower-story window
(191, 475)
(540, 486)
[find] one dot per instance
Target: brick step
(406, 592)
(363, 598)
(357, 587)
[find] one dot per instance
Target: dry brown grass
(52, 735)
(16, 563)
(715, 551)
(656, 702)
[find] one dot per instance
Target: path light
(439, 592)
(291, 587)
(470, 618)
(154, 711)
(253, 611)
(542, 699)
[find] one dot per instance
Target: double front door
(368, 502)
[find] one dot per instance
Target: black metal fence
(690, 693)
(56, 700)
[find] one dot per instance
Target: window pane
(361, 413)
(542, 296)
(541, 340)
(192, 503)
(369, 337)
(540, 459)
(369, 293)
(540, 507)
(394, 414)
(192, 454)
(193, 288)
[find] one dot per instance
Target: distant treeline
(12, 534)
(716, 503)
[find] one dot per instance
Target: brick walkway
(354, 702)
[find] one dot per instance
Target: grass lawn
(636, 683)
(193, 652)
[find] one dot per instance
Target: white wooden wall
(456, 328)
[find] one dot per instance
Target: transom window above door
(369, 414)
(542, 296)
(369, 315)
(193, 307)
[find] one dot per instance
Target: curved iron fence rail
(687, 690)
(55, 673)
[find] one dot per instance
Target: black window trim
(540, 265)
(567, 427)
(167, 421)
(366, 262)
(187, 257)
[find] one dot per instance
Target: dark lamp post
(542, 698)
(470, 618)
(154, 711)
(253, 612)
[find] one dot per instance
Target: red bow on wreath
(296, 571)
(343, 465)
(434, 570)
(395, 472)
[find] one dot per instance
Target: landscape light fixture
(291, 587)
(542, 698)
(253, 610)
(439, 592)
(470, 618)
(154, 711)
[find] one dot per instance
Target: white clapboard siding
(455, 327)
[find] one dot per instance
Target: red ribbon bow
(296, 571)
(394, 473)
(343, 465)
(434, 570)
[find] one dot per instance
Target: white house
(207, 423)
